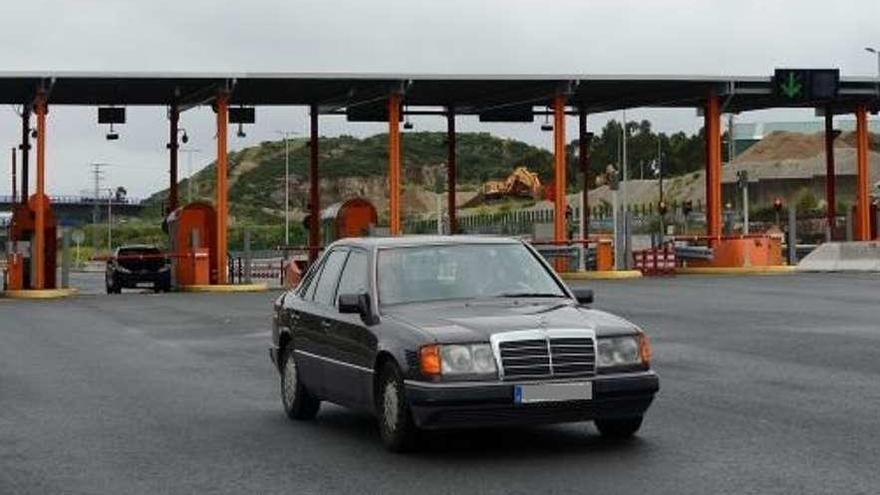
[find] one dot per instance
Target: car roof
(423, 240)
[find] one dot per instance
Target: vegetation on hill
(351, 165)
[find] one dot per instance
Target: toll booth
(355, 217)
(192, 234)
(19, 255)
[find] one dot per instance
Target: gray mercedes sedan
(453, 332)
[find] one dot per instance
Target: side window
(308, 286)
(325, 288)
(354, 276)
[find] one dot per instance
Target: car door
(348, 375)
(317, 317)
(304, 318)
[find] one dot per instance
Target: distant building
(746, 134)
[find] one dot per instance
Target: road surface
(768, 385)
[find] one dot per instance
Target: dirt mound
(782, 145)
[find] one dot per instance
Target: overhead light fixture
(547, 126)
(184, 138)
(241, 132)
(33, 134)
(112, 135)
(407, 125)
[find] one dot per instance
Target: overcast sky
(742, 37)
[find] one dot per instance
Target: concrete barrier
(843, 257)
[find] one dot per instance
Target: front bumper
(133, 279)
(462, 405)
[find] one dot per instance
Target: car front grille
(553, 357)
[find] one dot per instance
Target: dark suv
(136, 266)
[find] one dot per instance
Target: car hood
(476, 321)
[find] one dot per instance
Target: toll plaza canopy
(468, 94)
(387, 97)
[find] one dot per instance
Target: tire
(112, 288)
(396, 427)
(298, 403)
(619, 429)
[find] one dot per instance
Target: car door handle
(325, 324)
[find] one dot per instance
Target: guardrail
(84, 200)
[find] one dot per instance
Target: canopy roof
(469, 94)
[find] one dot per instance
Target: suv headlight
(457, 360)
(624, 351)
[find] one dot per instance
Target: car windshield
(463, 271)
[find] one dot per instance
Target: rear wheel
(619, 428)
(297, 401)
(399, 432)
(113, 287)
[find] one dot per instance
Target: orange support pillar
(221, 186)
(712, 130)
(863, 212)
(39, 202)
(559, 230)
(394, 163)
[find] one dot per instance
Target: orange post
(863, 212)
(39, 203)
(559, 230)
(222, 209)
(712, 128)
(394, 163)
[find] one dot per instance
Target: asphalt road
(768, 385)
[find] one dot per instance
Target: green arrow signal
(791, 88)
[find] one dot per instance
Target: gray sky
(743, 37)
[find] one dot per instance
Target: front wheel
(297, 401)
(399, 432)
(619, 428)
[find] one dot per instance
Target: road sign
(804, 85)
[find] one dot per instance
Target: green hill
(353, 166)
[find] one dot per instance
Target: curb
(735, 270)
(229, 288)
(603, 275)
(38, 293)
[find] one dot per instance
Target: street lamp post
(286, 135)
(109, 221)
(189, 178)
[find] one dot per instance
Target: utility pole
(109, 221)
(625, 200)
(98, 176)
(286, 135)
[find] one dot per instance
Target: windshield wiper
(529, 294)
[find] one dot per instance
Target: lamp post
(109, 221)
(189, 178)
(286, 135)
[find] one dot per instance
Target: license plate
(552, 392)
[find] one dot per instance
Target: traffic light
(742, 179)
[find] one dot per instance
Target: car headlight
(457, 360)
(629, 350)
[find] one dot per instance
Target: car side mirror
(356, 304)
(583, 296)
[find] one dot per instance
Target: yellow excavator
(522, 183)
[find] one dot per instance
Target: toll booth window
(354, 275)
(325, 288)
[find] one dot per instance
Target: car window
(354, 275)
(310, 276)
(325, 288)
(308, 290)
